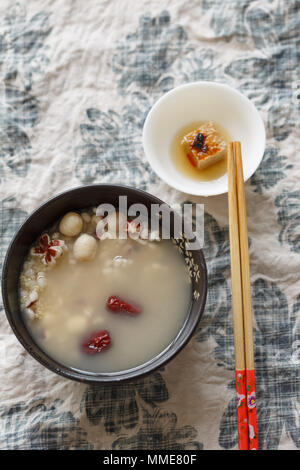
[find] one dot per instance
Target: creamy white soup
(102, 305)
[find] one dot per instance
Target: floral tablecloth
(74, 75)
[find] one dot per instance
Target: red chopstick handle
(242, 413)
(251, 405)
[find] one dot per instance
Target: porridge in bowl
(99, 304)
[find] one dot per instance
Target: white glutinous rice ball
(71, 224)
(85, 247)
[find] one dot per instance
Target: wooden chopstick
(245, 264)
(247, 300)
(237, 302)
(241, 300)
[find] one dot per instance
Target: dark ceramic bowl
(43, 217)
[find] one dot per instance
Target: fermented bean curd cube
(204, 146)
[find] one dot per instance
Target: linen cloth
(77, 81)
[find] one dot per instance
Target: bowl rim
(72, 373)
(165, 177)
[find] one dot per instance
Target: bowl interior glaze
(46, 215)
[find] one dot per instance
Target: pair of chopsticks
(241, 301)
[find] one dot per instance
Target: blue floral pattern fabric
(22, 57)
(75, 92)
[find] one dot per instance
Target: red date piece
(115, 304)
(96, 342)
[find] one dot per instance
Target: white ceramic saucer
(196, 102)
